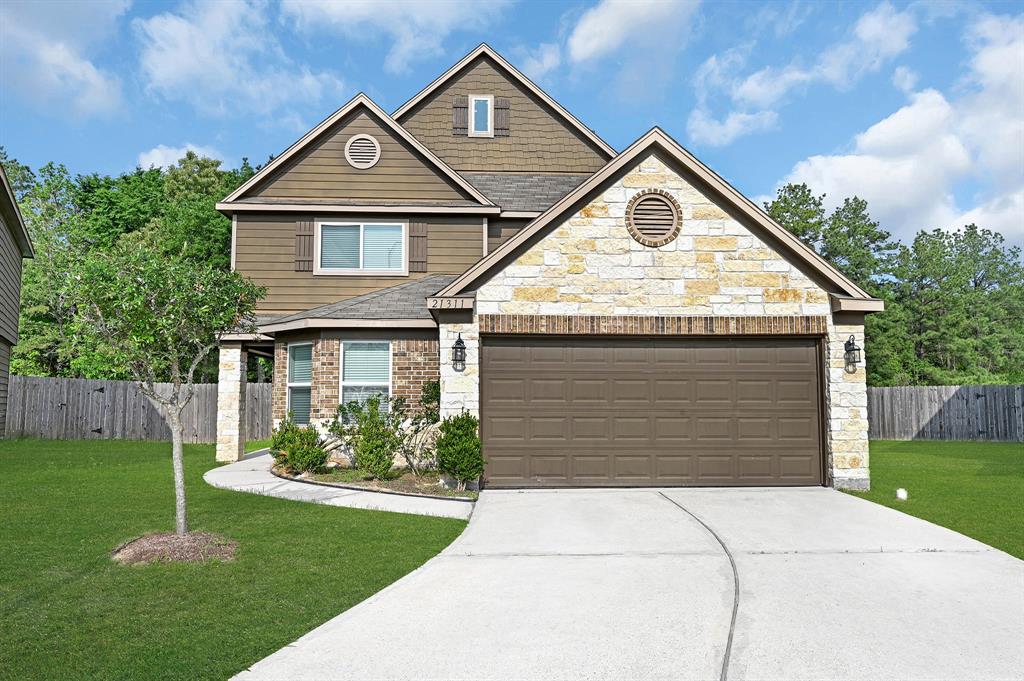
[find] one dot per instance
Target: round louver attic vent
(653, 218)
(362, 151)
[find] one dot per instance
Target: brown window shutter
(502, 116)
(417, 247)
(460, 115)
(304, 246)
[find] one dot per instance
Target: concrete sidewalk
(252, 474)
(625, 584)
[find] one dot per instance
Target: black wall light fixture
(852, 355)
(459, 354)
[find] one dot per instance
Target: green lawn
(68, 611)
(975, 488)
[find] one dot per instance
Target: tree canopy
(954, 299)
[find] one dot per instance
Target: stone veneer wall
(231, 380)
(589, 265)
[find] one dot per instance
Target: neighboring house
(15, 244)
(628, 318)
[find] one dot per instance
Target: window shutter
(460, 115)
(417, 247)
(304, 246)
(502, 116)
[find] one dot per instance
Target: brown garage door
(619, 412)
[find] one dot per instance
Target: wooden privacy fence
(76, 408)
(964, 412)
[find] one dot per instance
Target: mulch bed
(168, 547)
(402, 482)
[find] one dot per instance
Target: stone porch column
(231, 402)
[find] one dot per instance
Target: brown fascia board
(486, 50)
(325, 323)
(848, 304)
(359, 100)
(410, 209)
(12, 217)
(658, 138)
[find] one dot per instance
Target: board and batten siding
(321, 172)
(265, 252)
(10, 284)
(539, 139)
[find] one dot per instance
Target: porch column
(231, 402)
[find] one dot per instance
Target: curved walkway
(252, 474)
(637, 584)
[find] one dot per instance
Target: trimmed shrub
(373, 431)
(296, 448)
(458, 449)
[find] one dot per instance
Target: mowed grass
(975, 488)
(67, 611)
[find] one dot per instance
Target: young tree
(164, 315)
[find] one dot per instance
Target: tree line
(954, 299)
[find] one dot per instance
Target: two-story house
(614, 318)
(15, 244)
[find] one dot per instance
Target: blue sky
(918, 107)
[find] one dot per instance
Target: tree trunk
(177, 435)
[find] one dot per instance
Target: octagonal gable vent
(362, 151)
(653, 218)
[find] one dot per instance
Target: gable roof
(12, 216)
(658, 140)
(486, 50)
(360, 100)
(404, 304)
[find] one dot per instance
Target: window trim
(289, 384)
(471, 130)
(359, 271)
(341, 366)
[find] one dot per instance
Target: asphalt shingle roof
(404, 301)
(514, 191)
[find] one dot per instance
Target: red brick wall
(413, 363)
(280, 387)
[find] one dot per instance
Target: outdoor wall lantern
(852, 355)
(459, 354)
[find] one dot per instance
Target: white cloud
(222, 58)
(418, 29)
(878, 36)
(705, 129)
(606, 27)
(47, 50)
(908, 166)
(162, 156)
(538, 63)
(904, 79)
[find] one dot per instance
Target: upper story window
(361, 248)
(481, 116)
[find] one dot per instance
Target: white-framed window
(481, 116)
(360, 247)
(300, 381)
(365, 370)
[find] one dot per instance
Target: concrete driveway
(603, 584)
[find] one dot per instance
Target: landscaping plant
(373, 430)
(419, 433)
(161, 313)
(458, 449)
(298, 449)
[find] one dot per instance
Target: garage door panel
(631, 411)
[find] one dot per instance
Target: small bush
(430, 402)
(458, 449)
(296, 448)
(374, 432)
